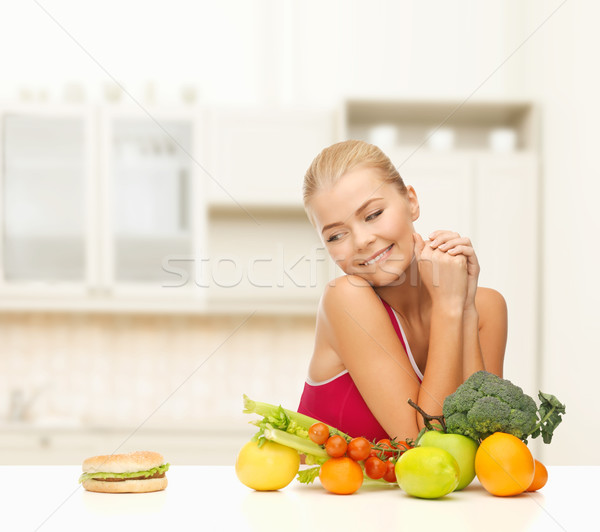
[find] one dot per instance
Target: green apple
(427, 472)
(461, 447)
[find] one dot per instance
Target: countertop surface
(211, 498)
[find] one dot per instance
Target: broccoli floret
(488, 415)
(459, 419)
(461, 403)
(486, 403)
(522, 419)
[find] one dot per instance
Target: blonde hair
(338, 159)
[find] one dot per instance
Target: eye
(335, 237)
(373, 215)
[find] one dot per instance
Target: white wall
(262, 50)
(318, 52)
(565, 62)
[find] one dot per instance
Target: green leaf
(124, 476)
(307, 476)
(550, 412)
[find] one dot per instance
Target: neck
(408, 296)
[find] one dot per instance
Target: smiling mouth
(378, 257)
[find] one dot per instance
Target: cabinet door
(152, 204)
(260, 157)
(47, 214)
(506, 244)
(444, 186)
(277, 258)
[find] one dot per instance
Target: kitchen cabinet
(262, 250)
(273, 257)
(200, 209)
(47, 210)
(153, 197)
(177, 210)
(444, 187)
(260, 156)
(94, 201)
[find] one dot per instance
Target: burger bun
(126, 486)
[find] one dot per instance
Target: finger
(437, 232)
(442, 236)
(418, 240)
(453, 242)
(470, 257)
(467, 251)
(418, 244)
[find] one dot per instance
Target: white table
(210, 498)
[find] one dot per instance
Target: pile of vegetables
(482, 432)
(326, 448)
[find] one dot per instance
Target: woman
(407, 320)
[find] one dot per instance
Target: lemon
(271, 466)
(427, 472)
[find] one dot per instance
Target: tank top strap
(402, 337)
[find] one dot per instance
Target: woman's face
(366, 225)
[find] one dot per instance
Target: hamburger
(138, 472)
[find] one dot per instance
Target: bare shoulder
(348, 291)
(340, 318)
(348, 304)
(490, 303)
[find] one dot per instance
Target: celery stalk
(269, 410)
(266, 409)
(301, 445)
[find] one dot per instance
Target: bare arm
(445, 277)
(493, 328)
(472, 354)
(444, 370)
(476, 300)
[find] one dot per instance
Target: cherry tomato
(403, 445)
(318, 433)
(336, 446)
(375, 468)
(390, 471)
(385, 444)
(359, 448)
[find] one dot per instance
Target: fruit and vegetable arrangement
(483, 432)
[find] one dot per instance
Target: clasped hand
(448, 267)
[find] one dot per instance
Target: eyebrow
(358, 211)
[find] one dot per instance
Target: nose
(363, 239)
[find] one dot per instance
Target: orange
(504, 465)
(341, 475)
(540, 477)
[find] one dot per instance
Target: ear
(413, 203)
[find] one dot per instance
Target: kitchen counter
(211, 498)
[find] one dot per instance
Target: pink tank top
(338, 402)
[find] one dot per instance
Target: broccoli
(485, 404)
